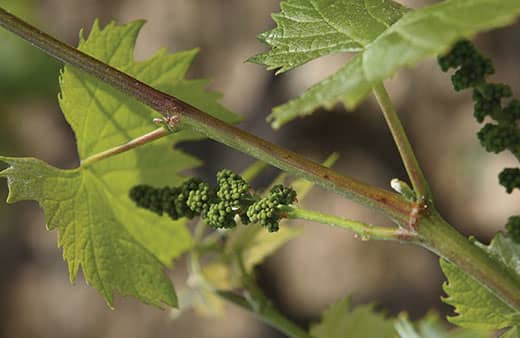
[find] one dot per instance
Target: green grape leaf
(309, 29)
(400, 38)
(506, 250)
(431, 326)
(340, 321)
(118, 246)
(476, 306)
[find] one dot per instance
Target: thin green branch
(258, 303)
(419, 183)
(390, 204)
(147, 138)
(364, 230)
(266, 314)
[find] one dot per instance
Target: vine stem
(364, 230)
(389, 203)
(441, 238)
(257, 303)
(152, 136)
(415, 173)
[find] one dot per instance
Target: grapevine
(125, 250)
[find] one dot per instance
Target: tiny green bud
(404, 189)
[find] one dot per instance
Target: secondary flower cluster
(220, 207)
(472, 68)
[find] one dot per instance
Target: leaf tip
(256, 59)
(262, 37)
(172, 301)
(278, 118)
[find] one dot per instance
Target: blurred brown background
(323, 264)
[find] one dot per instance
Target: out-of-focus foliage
(25, 70)
(432, 326)
(341, 321)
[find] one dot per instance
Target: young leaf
(118, 246)
(477, 307)
(384, 50)
(431, 326)
(340, 321)
(203, 301)
(215, 275)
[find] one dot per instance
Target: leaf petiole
(137, 142)
(364, 230)
(419, 183)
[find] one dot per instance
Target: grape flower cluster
(503, 133)
(266, 211)
(172, 201)
(220, 207)
(472, 68)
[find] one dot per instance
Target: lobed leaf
(340, 321)
(476, 306)
(118, 246)
(99, 232)
(405, 38)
